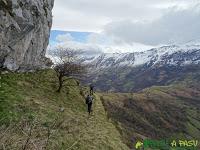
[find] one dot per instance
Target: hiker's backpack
(90, 99)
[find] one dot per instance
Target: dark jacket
(88, 99)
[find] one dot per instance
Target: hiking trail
(103, 132)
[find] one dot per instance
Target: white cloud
(97, 43)
(113, 44)
(90, 15)
(67, 41)
(64, 37)
(127, 25)
(176, 26)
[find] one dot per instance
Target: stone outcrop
(24, 33)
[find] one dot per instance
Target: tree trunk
(60, 84)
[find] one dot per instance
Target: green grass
(30, 100)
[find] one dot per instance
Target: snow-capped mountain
(128, 72)
(170, 55)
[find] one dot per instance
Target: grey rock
(24, 33)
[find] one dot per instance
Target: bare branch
(68, 65)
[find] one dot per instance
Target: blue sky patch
(77, 36)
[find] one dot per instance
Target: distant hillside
(34, 116)
(159, 112)
(135, 71)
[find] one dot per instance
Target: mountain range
(153, 94)
(127, 72)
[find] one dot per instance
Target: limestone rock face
(24, 33)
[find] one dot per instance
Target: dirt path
(104, 134)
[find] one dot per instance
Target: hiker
(77, 83)
(91, 89)
(89, 100)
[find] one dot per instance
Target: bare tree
(68, 65)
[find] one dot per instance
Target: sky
(124, 25)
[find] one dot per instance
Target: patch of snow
(156, 55)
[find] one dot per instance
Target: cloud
(90, 15)
(64, 37)
(96, 43)
(126, 25)
(113, 44)
(176, 25)
(68, 41)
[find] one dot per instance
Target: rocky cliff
(24, 33)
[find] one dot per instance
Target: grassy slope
(29, 101)
(157, 112)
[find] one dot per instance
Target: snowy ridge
(166, 55)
